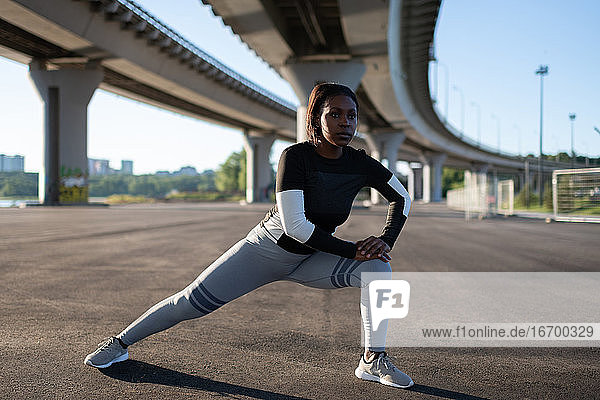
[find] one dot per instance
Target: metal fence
(576, 194)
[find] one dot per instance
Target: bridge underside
(138, 59)
(24, 47)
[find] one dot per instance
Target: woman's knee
(377, 266)
(372, 270)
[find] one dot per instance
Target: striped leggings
(253, 262)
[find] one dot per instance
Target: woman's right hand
(385, 257)
(372, 248)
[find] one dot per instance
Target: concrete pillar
(259, 178)
(480, 171)
(304, 76)
(432, 176)
(426, 182)
(479, 183)
(495, 191)
(417, 170)
(438, 163)
(384, 145)
(66, 94)
(411, 183)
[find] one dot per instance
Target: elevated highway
(383, 49)
(74, 47)
(380, 48)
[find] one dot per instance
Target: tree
(521, 200)
(230, 177)
(207, 181)
(18, 184)
(452, 178)
(145, 185)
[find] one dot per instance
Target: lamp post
(518, 130)
(474, 104)
(498, 124)
(572, 117)
(541, 71)
(462, 109)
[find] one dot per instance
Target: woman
(317, 182)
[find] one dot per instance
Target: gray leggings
(253, 262)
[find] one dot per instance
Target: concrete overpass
(73, 47)
(383, 49)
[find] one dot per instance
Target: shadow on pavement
(443, 393)
(140, 372)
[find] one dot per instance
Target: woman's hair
(320, 95)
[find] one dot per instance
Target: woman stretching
(317, 182)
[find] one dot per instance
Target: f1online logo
(388, 299)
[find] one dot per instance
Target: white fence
(506, 197)
(480, 198)
(576, 194)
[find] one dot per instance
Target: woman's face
(338, 121)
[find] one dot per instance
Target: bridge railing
(192, 48)
(472, 142)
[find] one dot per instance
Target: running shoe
(109, 351)
(382, 370)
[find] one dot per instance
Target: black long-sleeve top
(315, 195)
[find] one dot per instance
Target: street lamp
(473, 104)
(462, 108)
(597, 130)
(572, 117)
(498, 124)
(541, 71)
(518, 130)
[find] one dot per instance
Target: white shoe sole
(368, 377)
(122, 357)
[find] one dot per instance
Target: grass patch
(204, 196)
(583, 211)
(19, 198)
(535, 208)
(128, 199)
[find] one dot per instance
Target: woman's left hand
(372, 248)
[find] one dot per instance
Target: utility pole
(474, 104)
(498, 126)
(462, 109)
(572, 118)
(526, 183)
(541, 71)
(518, 130)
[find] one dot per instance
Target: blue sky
(491, 50)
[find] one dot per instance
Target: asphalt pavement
(70, 276)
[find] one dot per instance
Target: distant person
(317, 182)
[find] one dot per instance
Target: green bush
(521, 198)
(230, 177)
(18, 184)
(149, 185)
(452, 178)
(547, 201)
